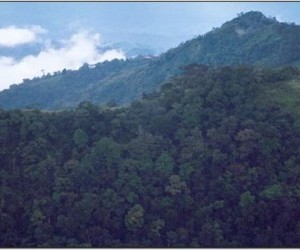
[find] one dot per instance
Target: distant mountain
(133, 50)
(251, 38)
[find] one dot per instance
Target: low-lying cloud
(80, 48)
(13, 36)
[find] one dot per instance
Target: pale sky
(51, 36)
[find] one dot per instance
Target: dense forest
(251, 38)
(210, 160)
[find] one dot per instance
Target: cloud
(80, 48)
(12, 36)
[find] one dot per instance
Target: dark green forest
(251, 38)
(210, 160)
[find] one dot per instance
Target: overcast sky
(57, 35)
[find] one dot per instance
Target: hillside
(212, 160)
(68, 88)
(251, 38)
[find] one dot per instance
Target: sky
(44, 37)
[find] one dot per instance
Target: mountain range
(212, 159)
(251, 38)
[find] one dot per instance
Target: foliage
(208, 161)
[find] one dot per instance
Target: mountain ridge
(251, 38)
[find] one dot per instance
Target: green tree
(246, 200)
(106, 151)
(272, 192)
(165, 164)
(176, 186)
(80, 138)
(134, 219)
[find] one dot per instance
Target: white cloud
(80, 48)
(12, 36)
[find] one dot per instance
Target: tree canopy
(210, 160)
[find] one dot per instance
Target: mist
(81, 47)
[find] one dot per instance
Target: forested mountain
(67, 88)
(251, 38)
(211, 160)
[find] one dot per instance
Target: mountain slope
(250, 38)
(205, 162)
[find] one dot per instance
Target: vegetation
(208, 161)
(249, 39)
